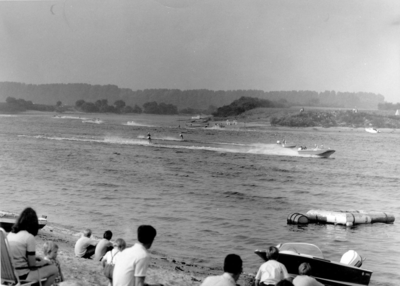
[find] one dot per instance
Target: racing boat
(347, 272)
(315, 152)
(8, 219)
(372, 130)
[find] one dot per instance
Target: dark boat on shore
(330, 273)
(8, 219)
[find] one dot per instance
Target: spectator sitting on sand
(85, 246)
(132, 264)
(50, 251)
(22, 244)
(110, 256)
(272, 271)
(303, 279)
(233, 267)
(103, 246)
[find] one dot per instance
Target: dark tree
(79, 103)
(119, 104)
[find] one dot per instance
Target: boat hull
(325, 271)
(288, 146)
(322, 153)
(371, 130)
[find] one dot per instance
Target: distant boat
(397, 112)
(194, 124)
(96, 121)
(199, 121)
(372, 130)
(201, 116)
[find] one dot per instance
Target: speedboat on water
(315, 152)
(372, 130)
(8, 219)
(347, 272)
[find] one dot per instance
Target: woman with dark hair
(23, 250)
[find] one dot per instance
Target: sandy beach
(165, 270)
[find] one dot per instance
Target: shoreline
(165, 270)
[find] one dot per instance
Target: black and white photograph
(200, 142)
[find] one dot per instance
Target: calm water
(218, 192)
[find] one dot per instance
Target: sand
(165, 270)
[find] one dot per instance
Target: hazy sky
(340, 45)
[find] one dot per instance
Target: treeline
(246, 103)
(102, 106)
(18, 105)
(336, 118)
(388, 106)
(200, 99)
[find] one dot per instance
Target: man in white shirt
(272, 271)
(85, 246)
(233, 267)
(132, 264)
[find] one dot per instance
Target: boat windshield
(301, 248)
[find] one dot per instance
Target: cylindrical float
(297, 218)
(348, 218)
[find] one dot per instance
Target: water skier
(180, 135)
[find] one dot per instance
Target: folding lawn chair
(8, 274)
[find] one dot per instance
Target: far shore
(243, 122)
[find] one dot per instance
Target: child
(50, 250)
(110, 257)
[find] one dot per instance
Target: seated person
(50, 251)
(103, 246)
(303, 279)
(272, 271)
(233, 267)
(110, 256)
(22, 244)
(85, 246)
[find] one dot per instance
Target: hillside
(292, 117)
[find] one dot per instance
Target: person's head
(50, 249)
(108, 234)
(233, 264)
(284, 282)
(305, 269)
(272, 253)
(87, 232)
(28, 221)
(120, 244)
(146, 235)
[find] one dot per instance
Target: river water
(220, 191)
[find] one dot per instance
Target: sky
(341, 45)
